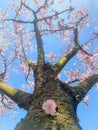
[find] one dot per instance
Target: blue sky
(88, 116)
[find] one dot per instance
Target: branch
(39, 42)
(64, 60)
(19, 21)
(27, 7)
(56, 14)
(40, 56)
(31, 22)
(72, 81)
(91, 39)
(2, 74)
(82, 88)
(20, 97)
(43, 6)
(30, 64)
(45, 31)
(87, 53)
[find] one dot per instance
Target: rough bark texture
(65, 117)
(23, 99)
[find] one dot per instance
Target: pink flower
(49, 106)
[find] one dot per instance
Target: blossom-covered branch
(38, 20)
(18, 96)
(56, 14)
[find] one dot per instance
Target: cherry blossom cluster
(79, 14)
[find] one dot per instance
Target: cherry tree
(50, 102)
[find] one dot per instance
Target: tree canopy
(27, 30)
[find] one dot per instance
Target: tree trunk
(65, 117)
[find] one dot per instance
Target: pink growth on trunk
(49, 106)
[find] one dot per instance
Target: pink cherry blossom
(51, 56)
(49, 106)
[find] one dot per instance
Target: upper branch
(19, 21)
(43, 6)
(82, 88)
(37, 20)
(39, 42)
(27, 7)
(56, 14)
(20, 97)
(64, 60)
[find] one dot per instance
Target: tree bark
(65, 117)
(23, 99)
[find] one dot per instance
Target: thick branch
(20, 97)
(39, 43)
(63, 61)
(82, 89)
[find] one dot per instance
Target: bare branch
(76, 36)
(82, 88)
(19, 21)
(72, 81)
(20, 97)
(27, 7)
(39, 42)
